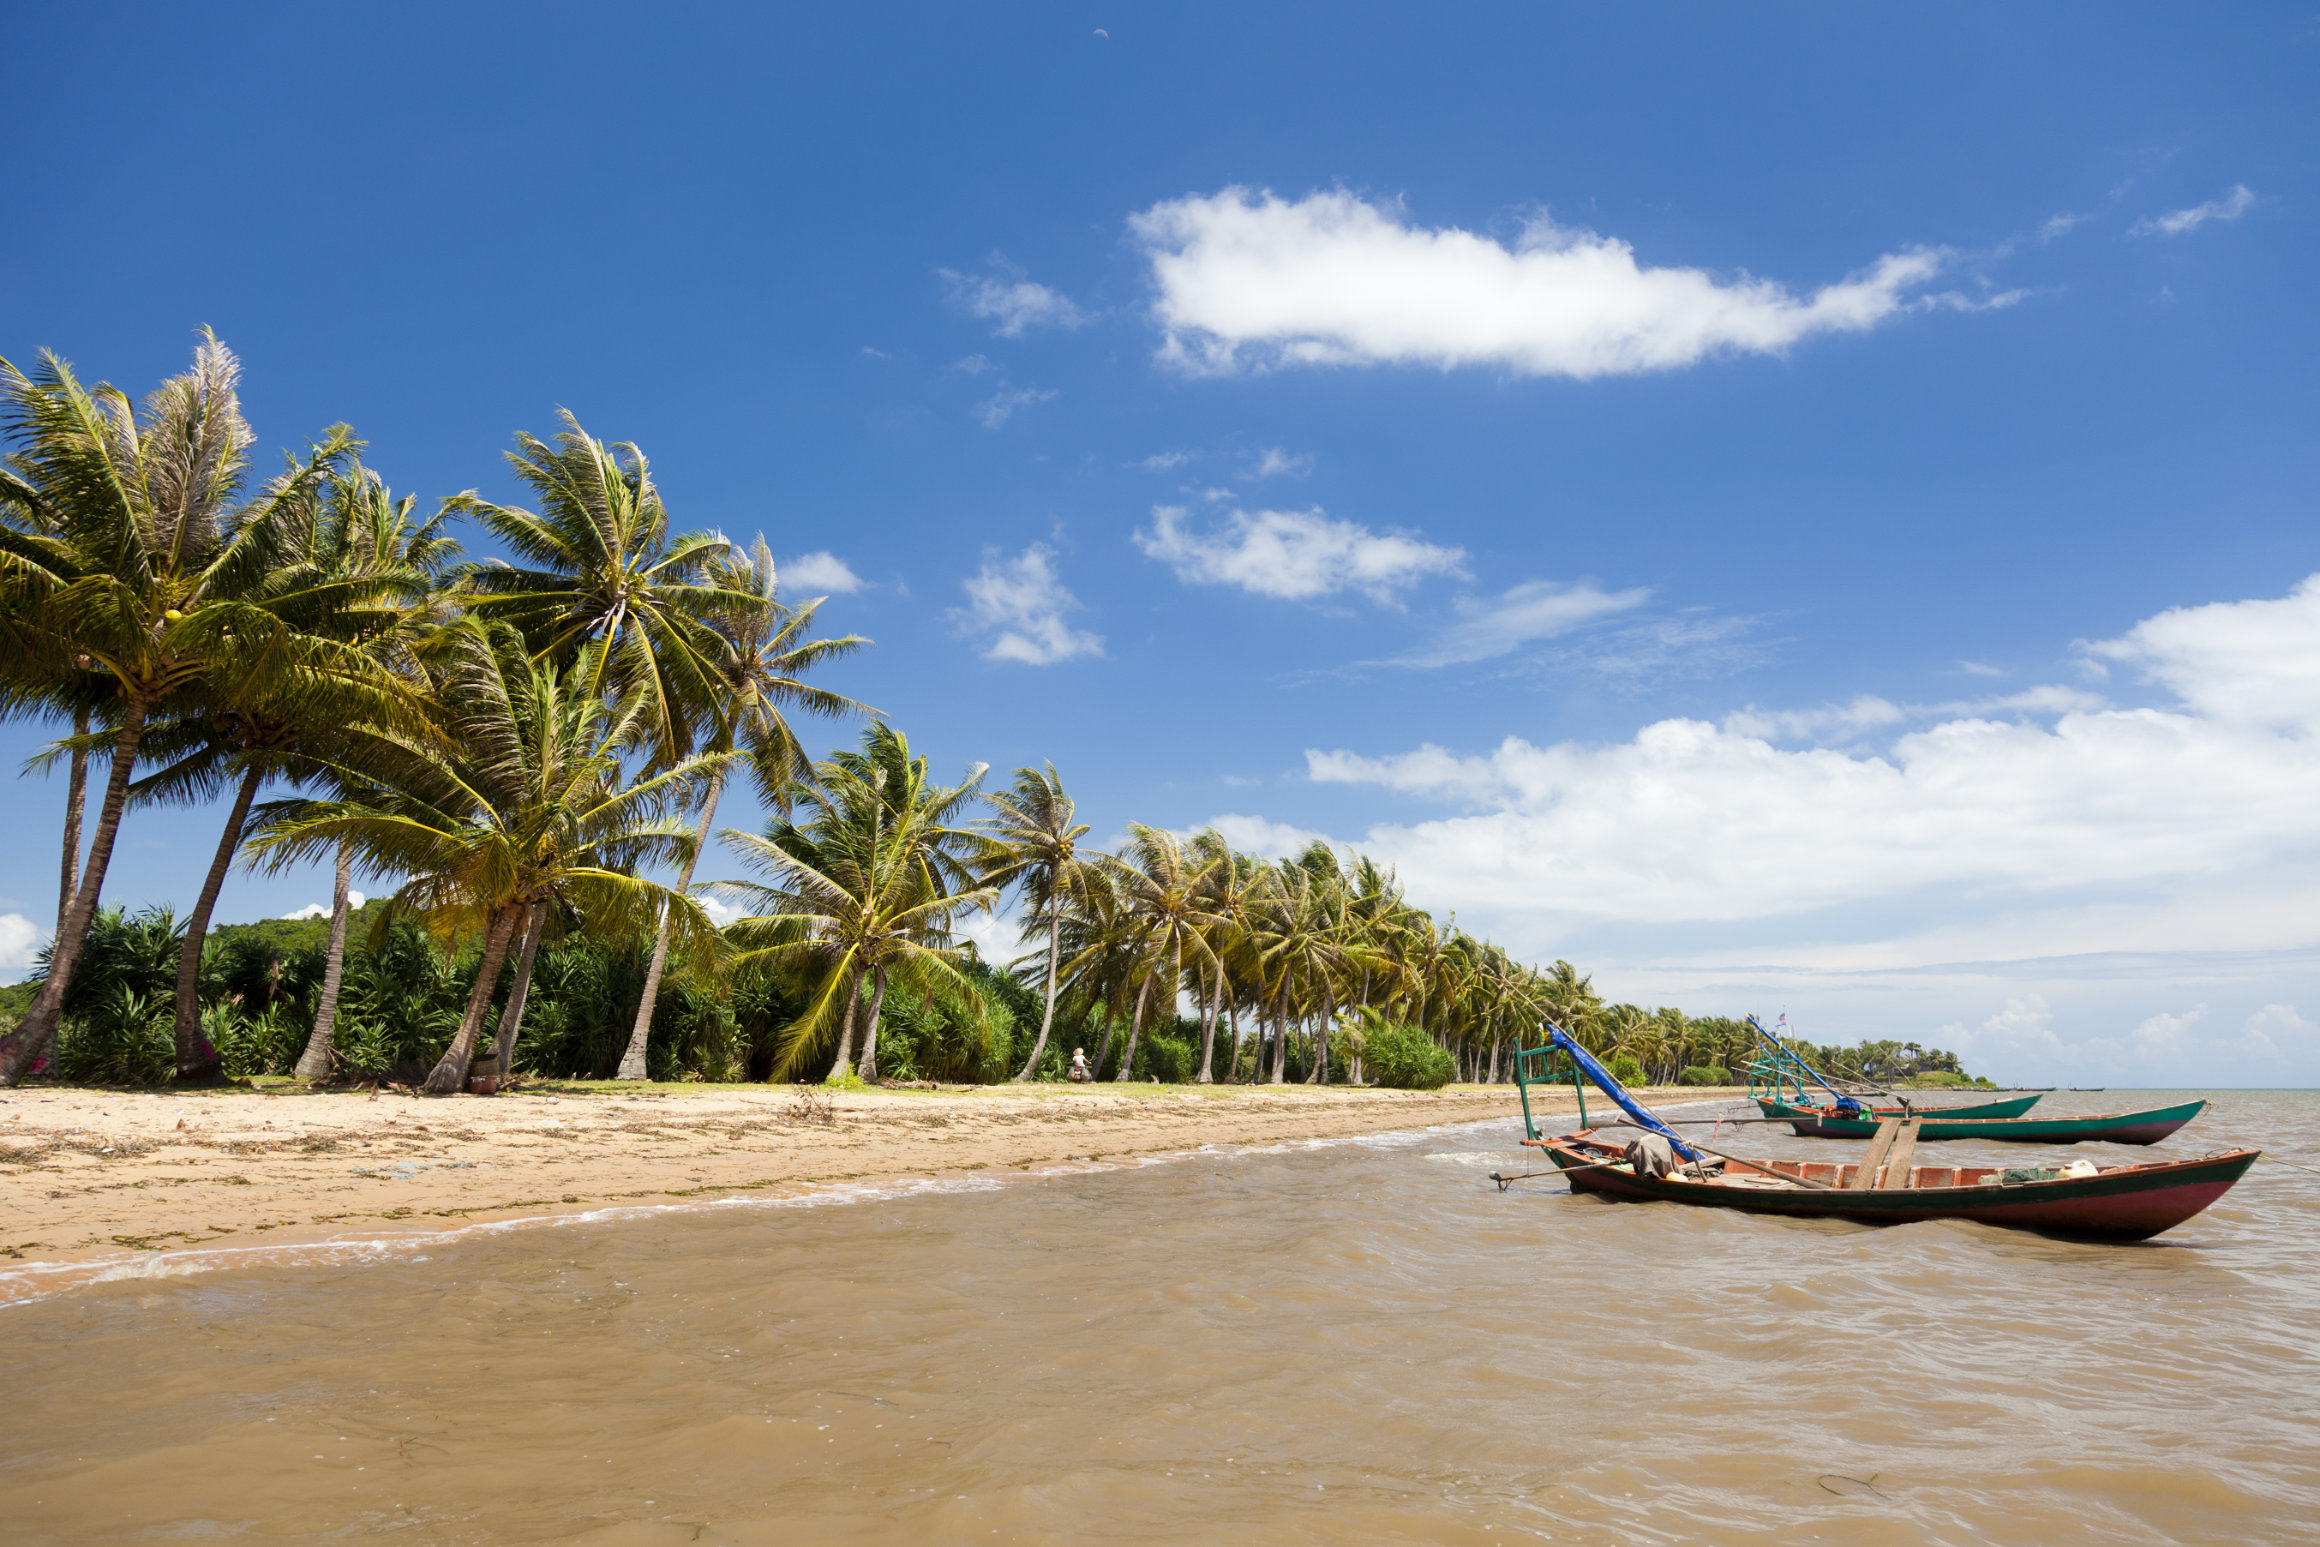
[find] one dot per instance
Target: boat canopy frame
(1530, 1059)
(1781, 1069)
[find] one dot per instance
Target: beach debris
(810, 1106)
(1852, 1487)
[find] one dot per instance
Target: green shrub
(1705, 1074)
(126, 1039)
(1170, 1060)
(1405, 1058)
(1624, 1068)
(254, 1044)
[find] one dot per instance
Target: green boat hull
(2109, 1127)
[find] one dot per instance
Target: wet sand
(91, 1173)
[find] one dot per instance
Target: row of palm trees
(524, 742)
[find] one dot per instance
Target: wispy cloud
(1294, 554)
(822, 571)
(1020, 604)
(1010, 302)
(2231, 206)
(1492, 626)
(1273, 462)
(1332, 279)
(2060, 225)
(1161, 462)
(1000, 406)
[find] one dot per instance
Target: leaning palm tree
(851, 898)
(596, 565)
(1032, 842)
(767, 650)
(229, 738)
(529, 813)
(127, 555)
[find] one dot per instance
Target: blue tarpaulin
(1616, 1091)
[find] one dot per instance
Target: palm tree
(529, 812)
(597, 565)
(1032, 842)
(857, 892)
(362, 526)
(240, 741)
(125, 557)
(1166, 895)
(768, 649)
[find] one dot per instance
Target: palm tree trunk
(314, 1063)
(1281, 1037)
(450, 1075)
(1135, 1029)
(196, 1059)
(1320, 1074)
(1047, 1018)
(846, 1031)
(20, 1048)
(511, 1019)
(76, 793)
(869, 1069)
(1232, 1017)
(1207, 1039)
(632, 1062)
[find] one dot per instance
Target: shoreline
(91, 1176)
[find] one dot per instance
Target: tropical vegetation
(521, 747)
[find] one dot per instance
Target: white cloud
(2190, 827)
(1273, 462)
(2058, 225)
(997, 409)
(1332, 279)
(1977, 669)
(2165, 1036)
(821, 571)
(2241, 663)
(2231, 206)
(20, 943)
(1266, 839)
(973, 365)
(1011, 303)
(1295, 554)
(2271, 1025)
(315, 910)
(1537, 609)
(1021, 604)
(1160, 462)
(721, 912)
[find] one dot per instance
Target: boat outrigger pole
(1780, 1063)
(1584, 1062)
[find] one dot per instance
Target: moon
(1102, 34)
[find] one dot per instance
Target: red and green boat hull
(1814, 1122)
(2123, 1203)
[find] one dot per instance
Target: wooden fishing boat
(2112, 1203)
(1821, 1122)
(2012, 1106)
(2116, 1203)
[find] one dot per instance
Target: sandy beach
(87, 1173)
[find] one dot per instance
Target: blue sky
(1798, 509)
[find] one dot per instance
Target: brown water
(1354, 1342)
